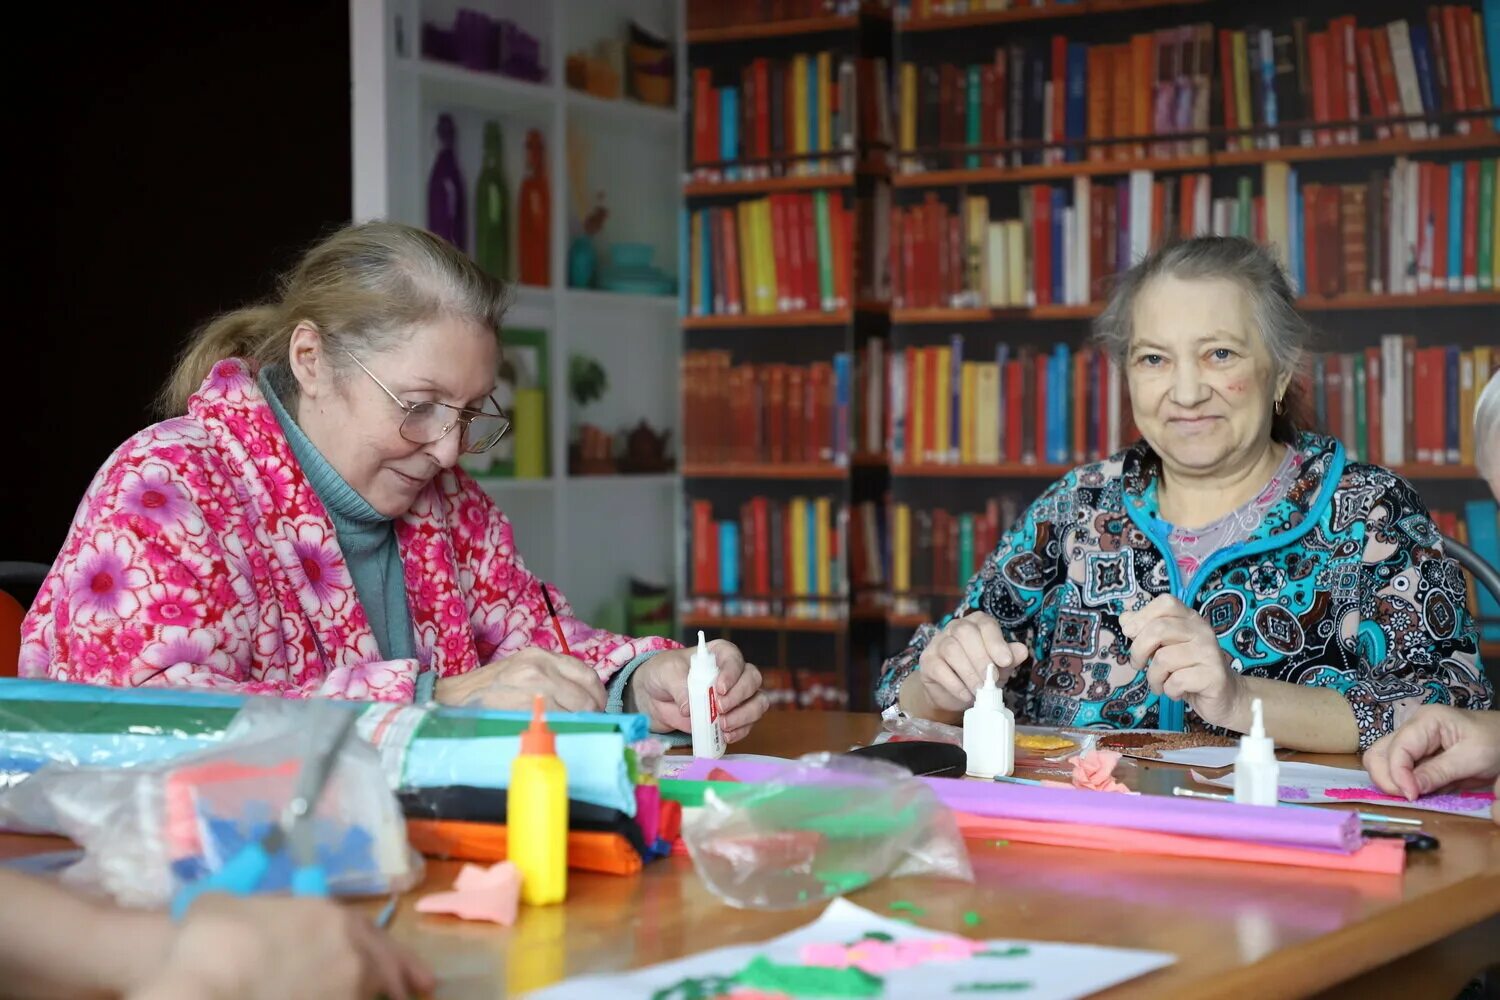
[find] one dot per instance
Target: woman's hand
(275, 947)
(659, 691)
(953, 665)
(568, 684)
(1182, 659)
(1436, 747)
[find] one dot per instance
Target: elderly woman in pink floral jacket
(302, 529)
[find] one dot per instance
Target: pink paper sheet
(1381, 856)
(1304, 828)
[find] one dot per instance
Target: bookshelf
(587, 533)
(785, 180)
(952, 150)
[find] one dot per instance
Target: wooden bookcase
(946, 170)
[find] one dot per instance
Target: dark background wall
(172, 158)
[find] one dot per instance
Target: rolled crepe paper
(1306, 828)
(421, 747)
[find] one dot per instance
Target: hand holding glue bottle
(703, 702)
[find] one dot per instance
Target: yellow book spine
(823, 512)
(1276, 177)
(799, 546)
(901, 558)
(976, 271)
(1015, 257)
(1484, 367)
(918, 431)
(908, 107)
(987, 413)
(1241, 61)
(1466, 401)
(825, 102)
(744, 221)
(764, 261)
(942, 404)
(967, 398)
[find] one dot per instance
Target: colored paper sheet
(850, 951)
(1311, 783)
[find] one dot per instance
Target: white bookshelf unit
(587, 534)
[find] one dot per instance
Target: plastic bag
(907, 727)
(147, 831)
(827, 826)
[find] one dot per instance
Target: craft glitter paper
(1304, 782)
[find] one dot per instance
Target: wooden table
(1237, 929)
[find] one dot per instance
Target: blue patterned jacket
(1344, 586)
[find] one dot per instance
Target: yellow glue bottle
(536, 808)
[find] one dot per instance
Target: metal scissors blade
(296, 819)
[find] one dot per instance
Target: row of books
(1419, 226)
(1416, 227)
(772, 557)
(790, 687)
(1155, 94)
(705, 14)
(793, 252)
(1053, 94)
(1021, 405)
(765, 413)
(1370, 400)
(781, 114)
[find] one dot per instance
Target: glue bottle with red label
(703, 702)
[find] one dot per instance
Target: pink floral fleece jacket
(201, 556)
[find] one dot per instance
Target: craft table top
(1236, 929)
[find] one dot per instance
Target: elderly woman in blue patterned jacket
(1224, 558)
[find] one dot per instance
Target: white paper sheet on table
(1051, 970)
(1300, 781)
(672, 764)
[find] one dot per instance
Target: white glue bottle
(1256, 771)
(989, 732)
(703, 702)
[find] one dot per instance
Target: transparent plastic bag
(826, 826)
(149, 830)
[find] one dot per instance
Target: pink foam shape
(479, 893)
(1455, 801)
(1095, 771)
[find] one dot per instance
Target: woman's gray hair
(1487, 428)
(1256, 270)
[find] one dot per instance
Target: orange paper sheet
(588, 850)
(1380, 856)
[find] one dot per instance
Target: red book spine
(1440, 225)
(1453, 55)
(812, 295)
(988, 135)
(702, 101)
(1429, 387)
(937, 237)
(1471, 225)
(1041, 243)
(1227, 77)
(1311, 197)
(1351, 74)
(1040, 399)
(1013, 377)
(781, 252)
(776, 412)
(1059, 96)
(909, 258)
(762, 73)
(1330, 241)
(1373, 404)
(1478, 89)
(1080, 405)
(842, 243)
(896, 263)
(1318, 63)
(956, 269)
(717, 224)
(702, 554)
(1371, 75)
(1389, 87)
(1337, 99)
(1101, 405)
(733, 284)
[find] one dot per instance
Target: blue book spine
(955, 394)
(729, 128)
(1484, 539)
(812, 104)
(1455, 226)
(1268, 75)
(1002, 356)
(973, 127)
(1059, 205)
(1491, 9)
(1450, 397)
(1076, 118)
(729, 558)
(1296, 255)
(1421, 55)
(684, 252)
(1059, 434)
(706, 264)
(842, 384)
(816, 573)
(1036, 77)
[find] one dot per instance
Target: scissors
(243, 874)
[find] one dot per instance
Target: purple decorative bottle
(446, 216)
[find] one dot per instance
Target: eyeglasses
(429, 422)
